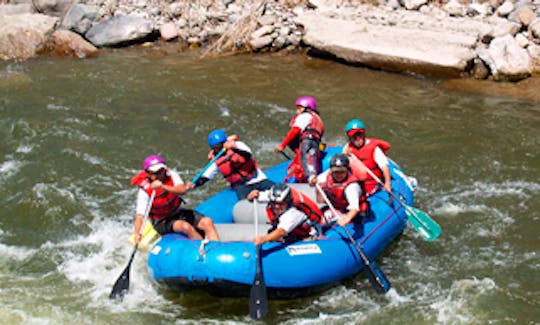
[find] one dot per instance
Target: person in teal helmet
(370, 153)
(236, 164)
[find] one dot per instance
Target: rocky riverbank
(492, 39)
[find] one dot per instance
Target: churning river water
(73, 133)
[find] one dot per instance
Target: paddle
(286, 156)
(375, 275)
(219, 154)
(258, 299)
(121, 286)
(427, 227)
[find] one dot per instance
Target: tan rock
(69, 44)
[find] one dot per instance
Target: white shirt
(303, 120)
(213, 170)
(353, 191)
(143, 197)
(290, 219)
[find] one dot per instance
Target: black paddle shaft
(376, 276)
(258, 299)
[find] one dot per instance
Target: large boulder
(119, 30)
(55, 8)
(506, 59)
(66, 43)
(80, 18)
(24, 36)
(390, 45)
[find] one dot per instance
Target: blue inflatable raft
(228, 267)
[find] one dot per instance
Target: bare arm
(275, 235)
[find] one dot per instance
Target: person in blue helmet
(236, 164)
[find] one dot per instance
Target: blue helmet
(216, 137)
(354, 126)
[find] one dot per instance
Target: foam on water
(98, 260)
(458, 305)
(8, 252)
(9, 168)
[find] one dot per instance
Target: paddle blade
(377, 278)
(121, 286)
(427, 227)
(258, 299)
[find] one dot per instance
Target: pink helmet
(152, 160)
(307, 102)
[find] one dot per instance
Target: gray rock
(455, 8)
(505, 9)
(55, 8)
(79, 18)
(119, 30)
(261, 42)
(16, 9)
(506, 59)
(534, 53)
(534, 28)
(264, 30)
(395, 48)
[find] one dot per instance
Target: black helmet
(339, 160)
(280, 193)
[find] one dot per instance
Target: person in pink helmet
(304, 138)
(166, 213)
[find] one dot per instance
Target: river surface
(75, 131)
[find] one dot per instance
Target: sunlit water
(75, 131)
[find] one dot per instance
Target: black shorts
(165, 226)
(243, 190)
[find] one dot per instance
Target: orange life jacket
(165, 203)
(366, 155)
(235, 168)
(336, 192)
(304, 204)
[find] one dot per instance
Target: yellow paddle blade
(149, 239)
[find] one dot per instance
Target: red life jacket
(336, 192)
(366, 155)
(165, 203)
(295, 169)
(304, 204)
(235, 168)
(314, 130)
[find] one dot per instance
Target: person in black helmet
(292, 214)
(343, 189)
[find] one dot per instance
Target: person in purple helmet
(166, 213)
(304, 138)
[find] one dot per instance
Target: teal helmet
(354, 126)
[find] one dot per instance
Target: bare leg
(207, 225)
(186, 228)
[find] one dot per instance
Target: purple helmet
(307, 102)
(151, 161)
